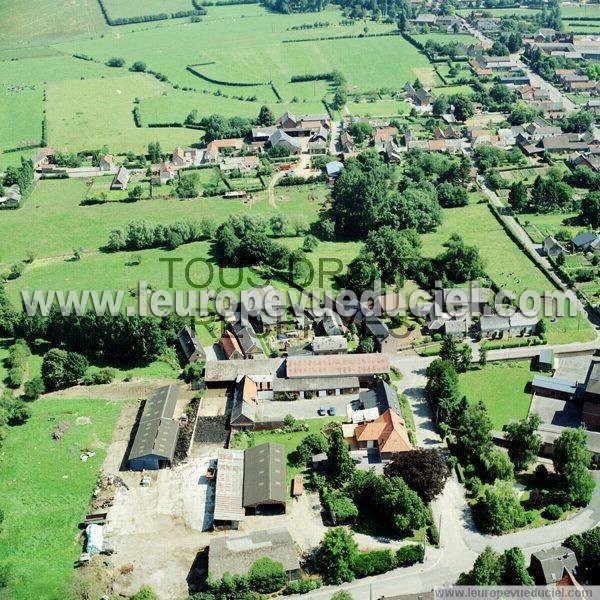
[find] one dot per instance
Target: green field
(502, 387)
(45, 490)
(126, 8)
(445, 38)
(20, 115)
(378, 108)
(500, 12)
(581, 10)
(39, 22)
(505, 263)
(540, 226)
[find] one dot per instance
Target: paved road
(336, 127)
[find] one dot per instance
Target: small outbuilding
(546, 359)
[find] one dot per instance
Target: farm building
(156, 436)
(190, 346)
(554, 388)
(374, 402)
(247, 340)
(121, 179)
(265, 477)
(280, 139)
(309, 387)
(243, 411)
(235, 555)
(335, 344)
(591, 398)
(363, 366)
(387, 433)
(229, 509)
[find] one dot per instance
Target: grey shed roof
(554, 561)
(242, 412)
(265, 475)
(229, 487)
(330, 343)
(281, 136)
(584, 239)
(491, 322)
(557, 385)
(382, 396)
(246, 336)
(547, 356)
(157, 431)
(189, 343)
(236, 554)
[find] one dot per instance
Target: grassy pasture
(386, 107)
(20, 115)
(502, 387)
(51, 222)
(126, 8)
(39, 22)
(101, 110)
(581, 10)
(505, 262)
(500, 12)
(45, 490)
(445, 38)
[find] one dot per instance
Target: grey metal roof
(557, 385)
(229, 487)
(329, 343)
(157, 430)
(189, 343)
(232, 370)
(382, 396)
(584, 239)
(376, 327)
(265, 475)
(280, 136)
(491, 322)
(236, 554)
(547, 356)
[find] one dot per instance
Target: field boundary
(197, 73)
(342, 37)
(115, 22)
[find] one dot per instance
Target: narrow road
(336, 127)
(271, 189)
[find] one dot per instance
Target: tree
(187, 186)
(460, 262)
(498, 509)
(154, 152)
(361, 274)
(590, 210)
(586, 546)
(517, 197)
(310, 243)
(549, 195)
(134, 193)
(523, 441)
(335, 555)
(366, 344)
(341, 466)
(424, 470)
(115, 61)
(451, 196)
(342, 595)
(278, 224)
(138, 66)
(571, 461)
(62, 369)
(485, 571)
(265, 117)
(482, 355)
(313, 443)
(512, 568)
(579, 122)
(266, 575)
(473, 433)
(462, 107)
(442, 389)
(34, 388)
(394, 252)
(415, 208)
(440, 105)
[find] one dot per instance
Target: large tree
(498, 509)
(586, 546)
(590, 210)
(571, 461)
(414, 208)
(459, 261)
(474, 438)
(335, 555)
(523, 441)
(423, 469)
(341, 466)
(443, 392)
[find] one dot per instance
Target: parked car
(331, 411)
(322, 412)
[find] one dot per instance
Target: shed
(546, 359)
(298, 486)
(156, 437)
(229, 510)
(554, 388)
(265, 476)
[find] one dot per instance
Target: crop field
(503, 387)
(20, 115)
(45, 490)
(505, 262)
(126, 8)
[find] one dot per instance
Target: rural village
(416, 434)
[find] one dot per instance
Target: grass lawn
(581, 10)
(289, 440)
(445, 38)
(540, 226)
(45, 490)
(505, 263)
(501, 386)
(379, 108)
